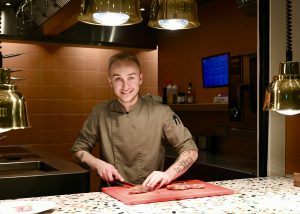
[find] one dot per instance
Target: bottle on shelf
(181, 98)
(174, 93)
(169, 94)
(164, 95)
(190, 94)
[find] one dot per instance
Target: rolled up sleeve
(177, 134)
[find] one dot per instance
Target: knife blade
(124, 183)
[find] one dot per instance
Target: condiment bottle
(174, 92)
(169, 94)
(190, 94)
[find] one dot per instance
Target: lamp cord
(1, 57)
(289, 52)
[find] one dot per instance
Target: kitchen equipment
(124, 183)
(163, 194)
(13, 107)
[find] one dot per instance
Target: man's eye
(131, 78)
(116, 79)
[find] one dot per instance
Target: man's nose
(124, 84)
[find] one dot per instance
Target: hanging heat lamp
(173, 14)
(283, 93)
(13, 109)
(110, 12)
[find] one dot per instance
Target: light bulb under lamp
(173, 14)
(110, 19)
(288, 112)
(110, 13)
(173, 24)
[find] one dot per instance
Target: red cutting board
(121, 193)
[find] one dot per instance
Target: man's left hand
(157, 179)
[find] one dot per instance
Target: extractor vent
(38, 11)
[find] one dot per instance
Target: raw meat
(137, 189)
(184, 186)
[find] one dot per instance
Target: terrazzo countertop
(254, 195)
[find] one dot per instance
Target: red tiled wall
(62, 84)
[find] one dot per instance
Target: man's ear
(109, 80)
(141, 78)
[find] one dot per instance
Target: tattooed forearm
(185, 153)
(80, 156)
(182, 165)
(79, 159)
(184, 162)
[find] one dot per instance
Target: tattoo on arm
(183, 165)
(185, 153)
(79, 156)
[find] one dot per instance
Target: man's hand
(157, 179)
(106, 171)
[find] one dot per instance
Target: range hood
(56, 21)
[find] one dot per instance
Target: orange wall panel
(62, 84)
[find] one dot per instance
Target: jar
(181, 97)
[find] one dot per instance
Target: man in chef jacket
(131, 131)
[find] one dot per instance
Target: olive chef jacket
(133, 141)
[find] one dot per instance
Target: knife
(124, 183)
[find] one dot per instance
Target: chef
(131, 131)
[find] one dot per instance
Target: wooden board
(121, 193)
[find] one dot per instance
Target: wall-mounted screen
(215, 70)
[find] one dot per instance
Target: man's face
(125, 79)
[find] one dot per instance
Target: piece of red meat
(184, 186)
(138, 189)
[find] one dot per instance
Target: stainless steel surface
(121, 183)
(30, 157)
(25, 168)
(26, 171)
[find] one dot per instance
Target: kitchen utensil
(12, 55)
(121, 193)
(124, 183)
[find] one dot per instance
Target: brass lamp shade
(287, 89)
(110, 12)
(13, 110)
(173, 14)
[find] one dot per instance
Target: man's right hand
(106, 171)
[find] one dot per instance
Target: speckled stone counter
(255, 195)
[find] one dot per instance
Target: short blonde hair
(123, 57)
